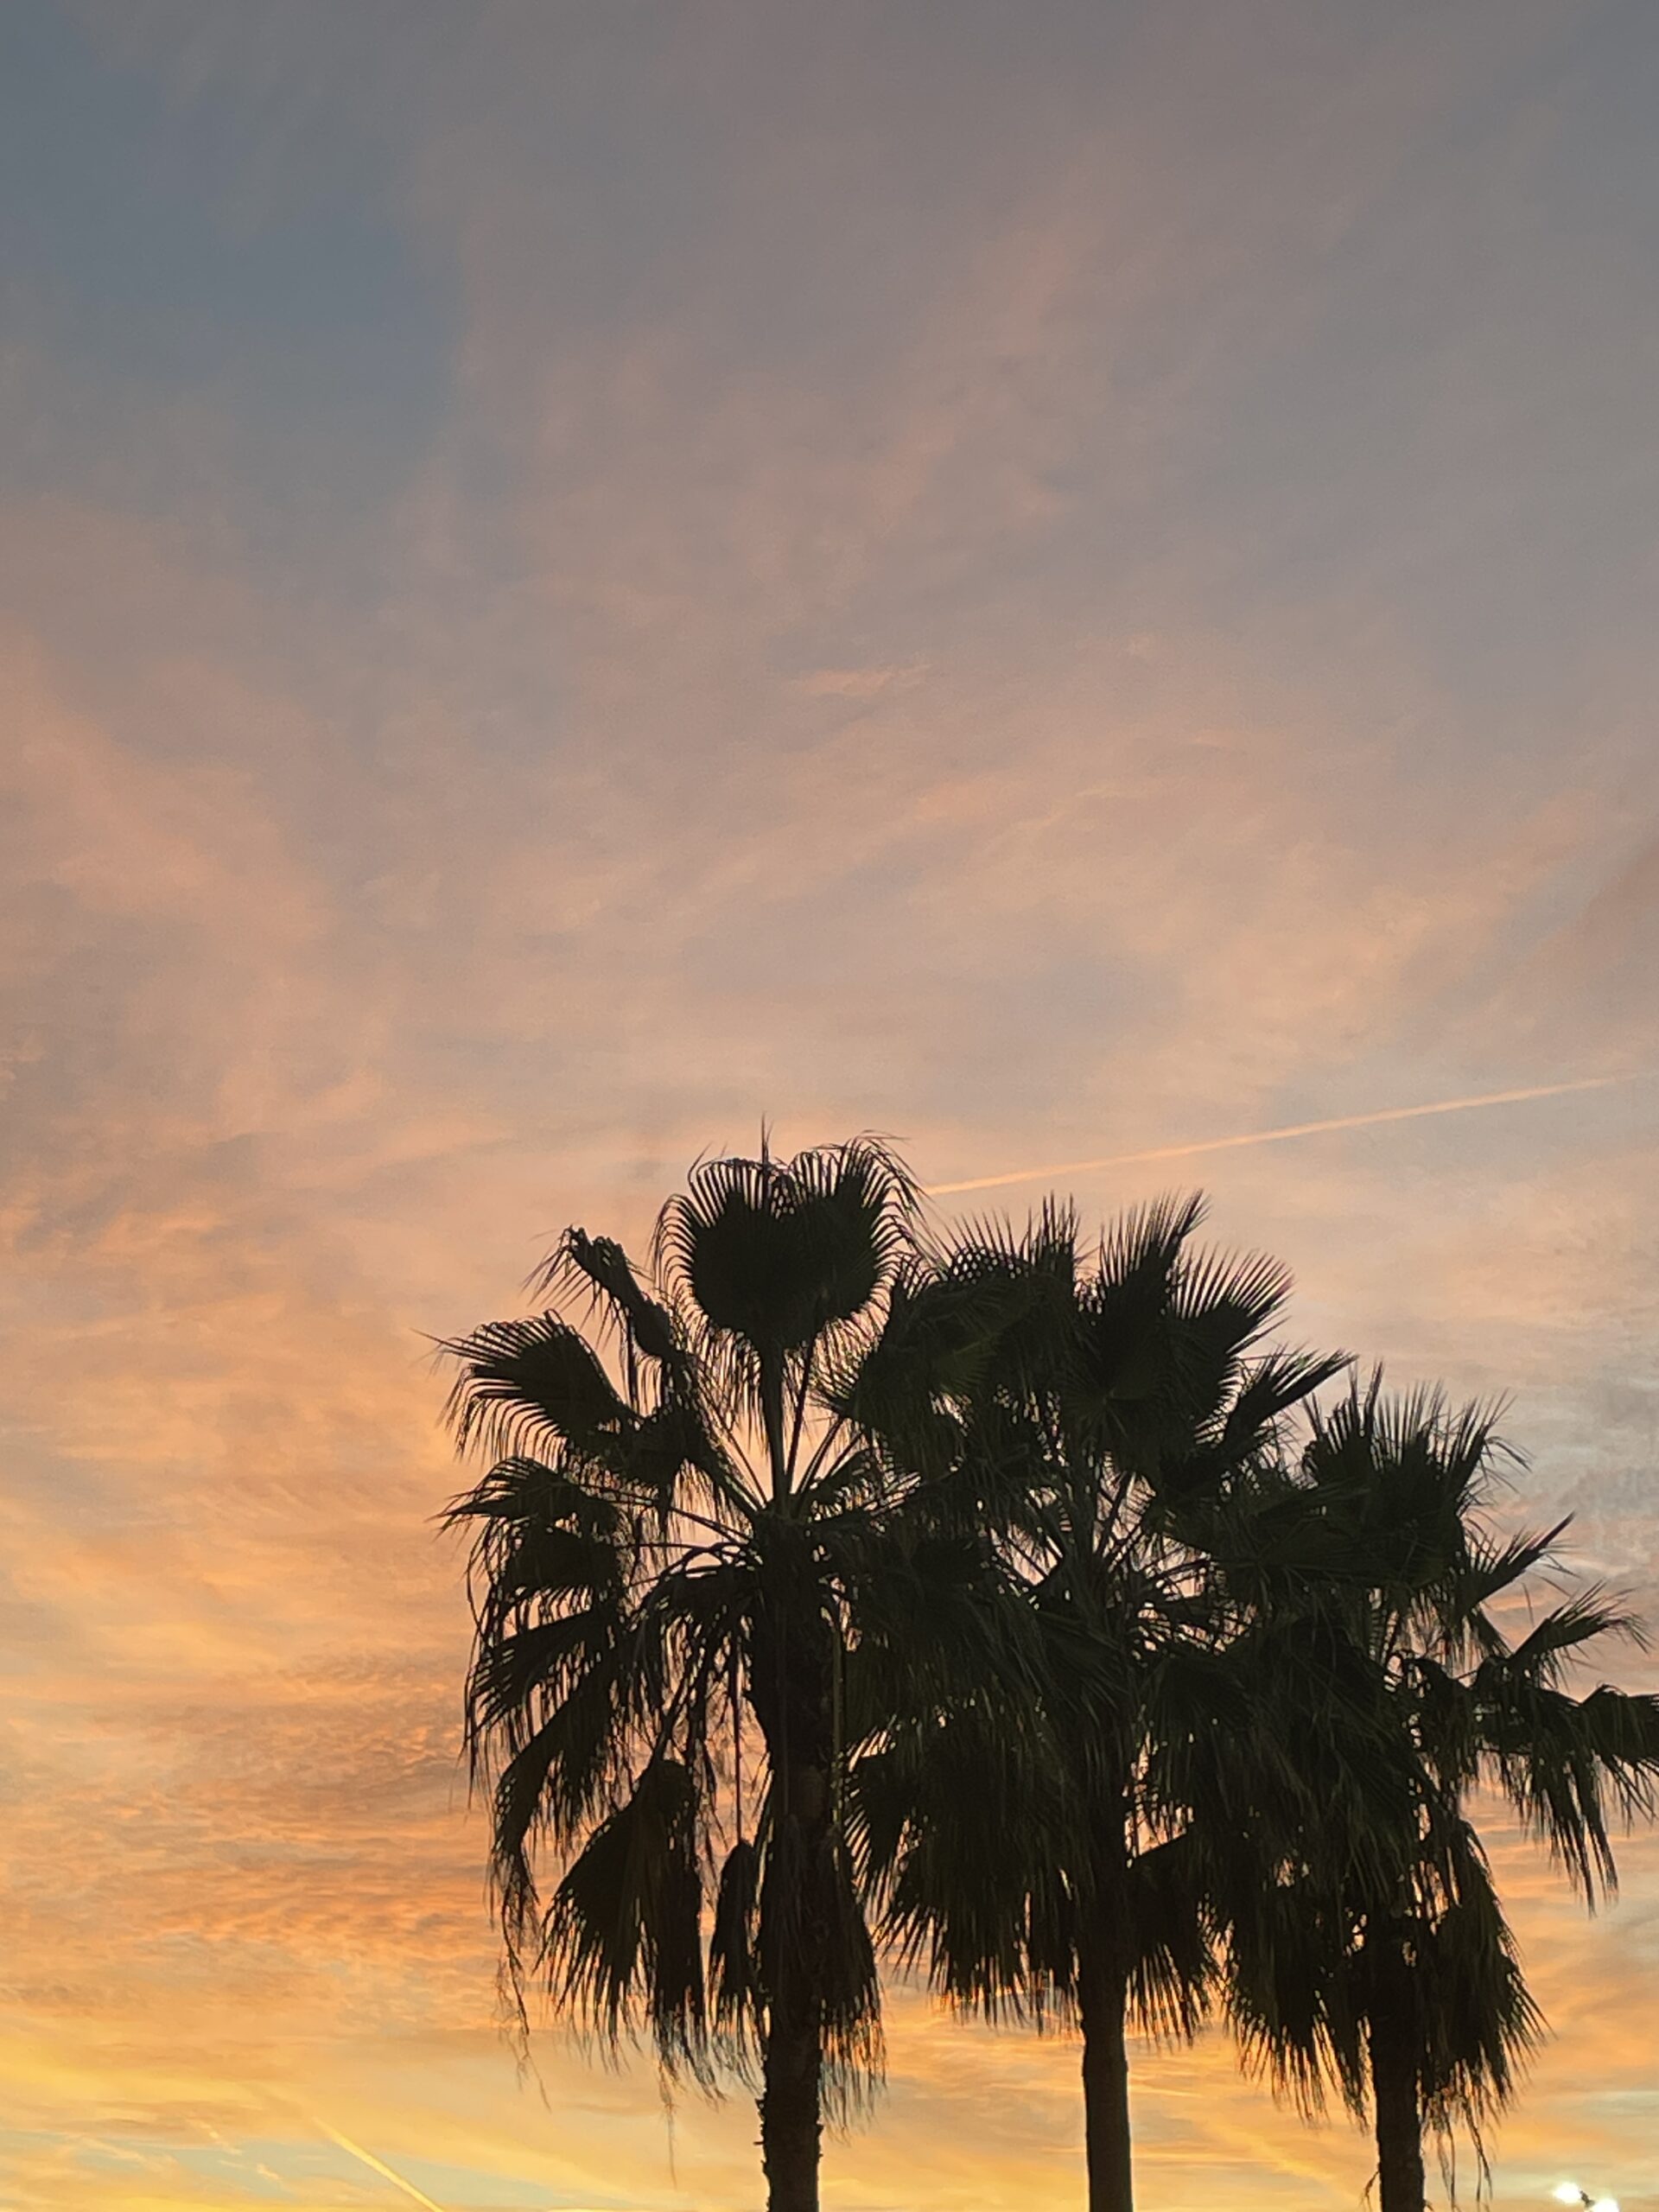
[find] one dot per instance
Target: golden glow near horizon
(1038, 580)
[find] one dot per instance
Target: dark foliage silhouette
(1368, 1946)
(1092, 1404)
(682, 1546)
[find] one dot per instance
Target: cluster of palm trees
(1013, 1609)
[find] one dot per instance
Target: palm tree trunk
(791, 1689)
(790, 2103)
(794, 1945)
(1103, 2006)
(1398, 2112)
(771, 1418)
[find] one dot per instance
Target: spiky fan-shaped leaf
(775, 1252)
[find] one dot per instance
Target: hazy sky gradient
(1053, 579)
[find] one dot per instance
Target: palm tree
(1367, 1945)
(1088, 1403)
(679, 1543)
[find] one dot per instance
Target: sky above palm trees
(1055, 582)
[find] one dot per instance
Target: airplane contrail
(1279, 1136)
(375, 2166)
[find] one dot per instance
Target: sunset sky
(1054, 579)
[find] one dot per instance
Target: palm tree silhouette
(1367, 1947)
(676, 1556)
(1098, 1400)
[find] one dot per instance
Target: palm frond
(1545, 1653)
(598, 1273)
(1270, 1388)
(526, 1384)
(623, 1936)
(733, 1957)
(1172, 1968)
(1573, 1768)
(774, 1253)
